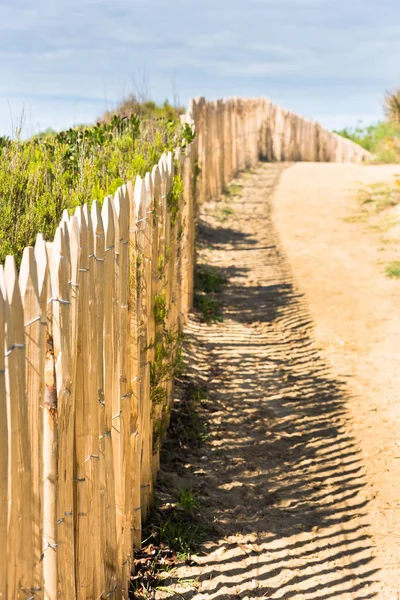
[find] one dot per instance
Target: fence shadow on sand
(280, 475)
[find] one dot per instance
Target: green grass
(186, 426)
(226, 212)
(175, 527)
(393, 269)
(380, 196)
(208, 285)
(209, 309)
(180, 529)
(41, 177)
(188, 500)
(208, 280)
(381, 139)
(235, 189)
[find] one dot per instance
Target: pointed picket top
(164, 177)
(107, 215)
(179, 156)
(88, 219)
(149, 191)
(41, 263)
(83, 237)
(121, 210)
(125, 192)
(156, 180)
(132, 204)
(56, 247)
(59, 271)
(15, 333)
(162, 163)
(114, 202)
(66, 247)
(140, 198)
(98, 231)
(28, 277)
(73, 230)
(97, 221)
(13, 292)
(170, 164)
(65, 216)
(129, 189)
(49, 254)
(79, 214)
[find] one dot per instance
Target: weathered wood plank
(112, 567)
(60, 274)
(134, 372)
(124, 391)
(34, 367)
(20, 534)
(3, 442)
(84, 554)
(96, 317)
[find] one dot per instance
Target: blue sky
(65, 62)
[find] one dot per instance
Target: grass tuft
(380, 196)
(235, 189)
(208, 285)
(393, 269)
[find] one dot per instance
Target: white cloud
(69, 60)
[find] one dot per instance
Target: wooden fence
(90, 327)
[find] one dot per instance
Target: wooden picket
(50, 447)
(84, 399)
(82, 488)
(20, 531)
(34, 371)
(3, 443)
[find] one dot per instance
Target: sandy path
(298, 475)
(356, 312)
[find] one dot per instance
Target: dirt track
(300, 475)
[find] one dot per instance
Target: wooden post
(112, 567)
(34, 375)
(50, 447)
(136, 433)
(124, 392)
(140, 198)
(96, 318)
(3, 443)
(83, 498)
(43, 286)
(60, 277)
(20, 539)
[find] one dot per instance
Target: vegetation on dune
(383, 138)
(41, 177)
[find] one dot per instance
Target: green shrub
(393, 269)
(381, 139)
(41, 177)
